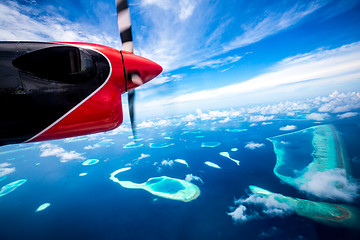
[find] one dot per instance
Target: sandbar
(226, 154)
(90, 162)
(210, 144)
(42, 207)
(236, 130)
(11, 187)
(182, 162)
(190, 132)
(211, 164)
(160, 145)
(133, 145)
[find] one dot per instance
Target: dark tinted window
(9, 76)
(65, 63)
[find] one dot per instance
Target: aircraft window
(65, 63)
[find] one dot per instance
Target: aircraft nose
(139, 69)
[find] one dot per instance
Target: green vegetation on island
(338, 215)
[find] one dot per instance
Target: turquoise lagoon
(307, 152)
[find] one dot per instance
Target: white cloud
(186, 8)
(216, 63)
(318, 116)
(331, 184)
(339, 102)
(260, 118)
(347, 115)
(256, 206)
(270, 24)
(183, 8)
(227, 119)
(252, 145)
(89, 147)
(333, 68)
(149, 89)
(20, 22)
(120, 130)
(288, 128)
(239, 215)
(5, 169)
(167, 163)
(190, 177)
(290, 114)
(189, 118)
(169, 43)
(142, 156)
(48, 149)
(265, 114)
(159, 123)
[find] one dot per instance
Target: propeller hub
(140, 70)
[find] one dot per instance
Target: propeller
(124, 24)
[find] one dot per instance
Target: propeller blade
(131, 98)
(124, 25)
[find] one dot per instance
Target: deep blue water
(94, 207)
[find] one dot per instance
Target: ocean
(94, 207)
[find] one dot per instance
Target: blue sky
(215, 54)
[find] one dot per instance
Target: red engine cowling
(102, 109)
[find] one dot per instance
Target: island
(166, 187)
(90, 162)
(211, 164)
(160, 145)
(42, 207)
(226, 154)
(338, 215)
(236, 130)
(133, 145)
(210, 144)
(181, 161)
(11, 187)
(302, 154)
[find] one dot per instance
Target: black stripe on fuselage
(47, 80)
